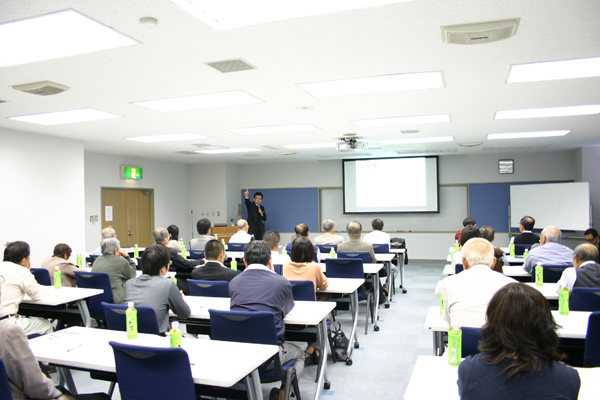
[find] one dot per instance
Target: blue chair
(146, 373)
(42, 276)
(365, 256)
(95, 280)
(381, 248)
(458, 268)
(303, 290)
(93, 258)
(255, 327)
(5, 392)
(236, 246)
(326, 248)
(585, 299)
(520, 249)
(278, 269)
(196, 254)
(470, 340)
(208, 288)
(115, 318)
(591, 355)
(288, 247)
(552, 273)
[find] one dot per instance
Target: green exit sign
(131, 172)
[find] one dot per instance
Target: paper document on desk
(65, 341)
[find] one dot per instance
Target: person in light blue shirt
(550, 251)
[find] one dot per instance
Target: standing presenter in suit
(256, 215)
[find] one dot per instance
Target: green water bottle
(332, 253)
(175, 334)
(131, 320)
(456, 245)
(454, 344)
(223, 241)
(284, 251)
(79, 261)
(184, 252)
(539, 275)
(174, 279)
(563, 300)
(216, 236)
(511, 249)
(525, 255)
(234, 264)
(57, 278)
(136, 251)
(441, 303)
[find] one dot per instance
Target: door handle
(129, 233)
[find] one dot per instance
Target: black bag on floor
(338, 342)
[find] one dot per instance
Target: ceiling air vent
(479, 33)
(234, 65)
(44, 88)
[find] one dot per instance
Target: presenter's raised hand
(260, 211)
(246, 193)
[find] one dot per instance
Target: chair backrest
(365, 256)
(42, 276)
(326, 248)
(344, 268)
(288, 247)
(585, 299)
(139, 263)
(115, 318)
(93, 258)
(552, 273)
(303, 290)
(458, 268)
(236, 246)
(95, 280)
(520, 249)
(592, 341)
(278, 269)
(196, 254)
(381, 248)
(153, 372)
(208, 288)
(470, 340)
(5, 392)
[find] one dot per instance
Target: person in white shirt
(242, 235)
(107, 233)
(377, 236)
(585, 271)
(273, 238)
(328, 237)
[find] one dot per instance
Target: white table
(422, 387)
(518, 260)
(549, 290)
(515, 271)
(235, 254)
(213, 363)
(65, 295)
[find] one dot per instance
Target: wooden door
(131, 215)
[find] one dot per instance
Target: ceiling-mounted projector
(349, 144)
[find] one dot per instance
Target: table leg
(253, 386)
(438, 343)
(402, 272)
(390, 282)
(65, 374)
(85, 313)
(376, 305)
(354, 303)
(321, 380)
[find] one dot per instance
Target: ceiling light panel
(226, 151)
(310, 145)
(549, 112)
(170, 137)
(273, 129)
(227, 14)
(430, 139)
(375, 84)
(56, 35)
(66, 117)
(399, 121)
(200, 101)
(527, 135)
(555, 70)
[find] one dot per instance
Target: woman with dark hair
(519, 352)
(174, 238)
(468, 232)
(62, 253)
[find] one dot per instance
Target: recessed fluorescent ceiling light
(310, 145)
(198, 101)
(170, 137)
(554, 70)
(375, 84)
(526, 135)
(261, 130)
(224, 151)
(399, 121)
(226, 14)
(431, 139)
(548, 112)
(66, 117)
(60, 34)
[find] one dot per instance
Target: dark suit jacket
(213, 271)
(255, 220)
(183, 268)
(527, 238)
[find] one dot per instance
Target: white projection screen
(391, 185)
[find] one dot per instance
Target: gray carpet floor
(383, 363)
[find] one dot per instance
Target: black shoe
(316, 356)
(308, 358)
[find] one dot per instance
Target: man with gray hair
(107, 233)
(586, 271)
(119, 267)
(467, 294)
(354, 230)
(328, 237)
(550, 251)
(242, 235)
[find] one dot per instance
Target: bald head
(584, 252)
(550, 234)
(354, 229)
(478, 251)
(242, 225)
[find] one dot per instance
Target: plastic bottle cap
(175, 324)
(56, 268)
(130, 304)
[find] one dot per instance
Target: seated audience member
(550, 251)
(241, 236)
(119, 267)
(183, 267)
(499, 256)
(174, 238)
(301, 230)
(259, 288)
(466, 222)
(519, 356)
(467, 294)
(107, 233)
(18, 281)
(62, 253)
(354, 230)
(214, 270)
(203, 227)
(152, 289)
(328, 237)
(377, 236)
(469, 232)
(26, 379)
(272, 238)
(591, 235)
(489, 233)
(586, 271)
(526, 236)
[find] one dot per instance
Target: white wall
(42, 192)
(233, 197)
(591, 173)
(169, 181)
